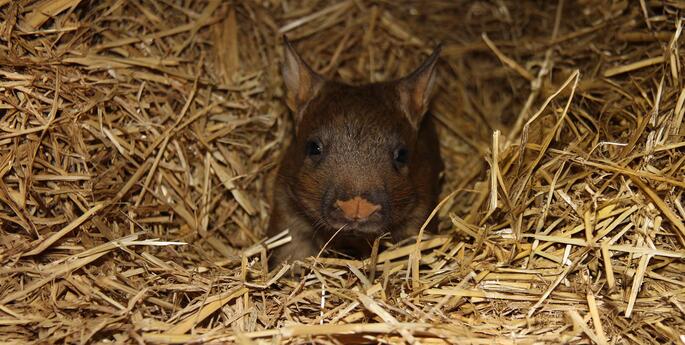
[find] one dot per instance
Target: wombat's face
(352, 156)
(350, 165)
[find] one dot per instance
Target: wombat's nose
(357, 208)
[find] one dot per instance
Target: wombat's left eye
(313, 148)
(400, 156)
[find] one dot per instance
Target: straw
(139, 141)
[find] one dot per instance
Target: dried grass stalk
(137, 139)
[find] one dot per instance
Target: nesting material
(137, 139)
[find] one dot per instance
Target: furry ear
(301, 82)
(416, 89)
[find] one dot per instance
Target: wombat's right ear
(416, 89)
(301, 82)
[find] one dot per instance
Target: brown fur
(359, 128)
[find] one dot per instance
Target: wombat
(364, 161)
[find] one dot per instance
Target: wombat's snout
(359, 209)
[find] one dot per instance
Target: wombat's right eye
(313, 148)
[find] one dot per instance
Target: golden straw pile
(137, 139)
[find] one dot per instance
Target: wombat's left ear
(416, 89)
(301, 82)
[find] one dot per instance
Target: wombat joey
(364, 161)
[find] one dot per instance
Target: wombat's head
(353, 161)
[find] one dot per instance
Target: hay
(137, 138)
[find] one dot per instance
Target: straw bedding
(137, 139)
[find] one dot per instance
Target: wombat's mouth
(364, 228)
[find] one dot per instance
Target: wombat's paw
(297, 270)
